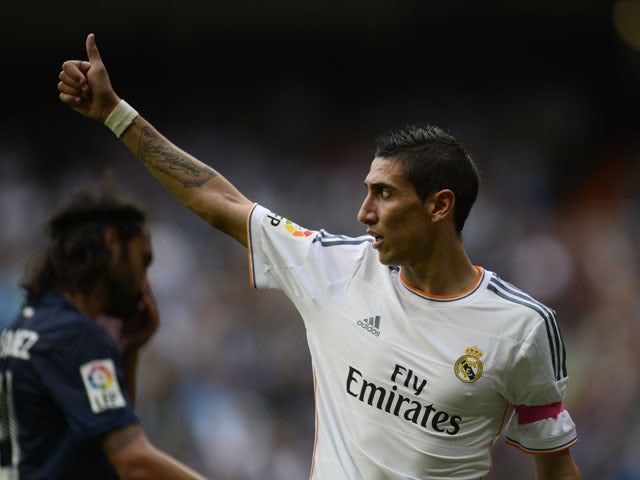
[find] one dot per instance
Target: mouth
(377, 239)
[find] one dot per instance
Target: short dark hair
(75, 255)
(432, 160)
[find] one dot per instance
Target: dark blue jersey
(61, 388)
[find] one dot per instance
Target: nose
(366, 214)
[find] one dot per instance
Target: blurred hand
(137, 330)
(85, 85)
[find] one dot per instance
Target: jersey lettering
(275, 219)
(411, 379)
(394, 403)
(17, 343)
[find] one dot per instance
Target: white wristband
(120, 118)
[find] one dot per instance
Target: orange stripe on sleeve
(252, 283)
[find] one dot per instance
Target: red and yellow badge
(296, 230)
(468, 368)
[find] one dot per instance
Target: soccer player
(420, 358)
(67, 385)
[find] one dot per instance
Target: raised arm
(85, 86)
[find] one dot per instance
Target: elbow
(138, 464)
(133, 470)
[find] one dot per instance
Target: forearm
(135, 458)
(556, 466)
(85, 87)
(568, 475)
(195, 184)
(163, 467)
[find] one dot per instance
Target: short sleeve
(536, 388)
(302, 263)
(81, 369)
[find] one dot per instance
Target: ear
(442, 203)
(112, 241)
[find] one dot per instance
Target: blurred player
(419, 357)
(66, 385)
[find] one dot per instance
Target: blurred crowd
(226, 384)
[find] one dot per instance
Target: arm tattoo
(156, 154)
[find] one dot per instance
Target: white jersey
(408, 385)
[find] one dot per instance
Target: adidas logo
(371, 325)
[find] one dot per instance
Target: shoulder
(513, 297)
(57, 322)
(274, 224)
(361, 244)
(534, 325)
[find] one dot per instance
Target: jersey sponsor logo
(371, 325)
(17, 343)
(101, 383)
(468, 368)
(291, 228)
(402, 404)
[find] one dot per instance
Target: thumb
(92, 49)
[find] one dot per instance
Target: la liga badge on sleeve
(101, 383)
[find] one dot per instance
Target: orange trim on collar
(445, 297)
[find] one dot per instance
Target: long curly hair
(75, 256)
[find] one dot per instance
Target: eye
(382, 192)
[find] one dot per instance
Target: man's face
(394, 214)
(127, 272)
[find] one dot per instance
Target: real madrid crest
(468, 368)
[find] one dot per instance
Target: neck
(89, 305)
(446, 271)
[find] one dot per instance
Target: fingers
(149, 302)
(146, 295)
(84, 84)
(70, 99)
(73, 72)
(73, 86)
(145, 286)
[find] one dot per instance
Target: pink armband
(533, 413)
